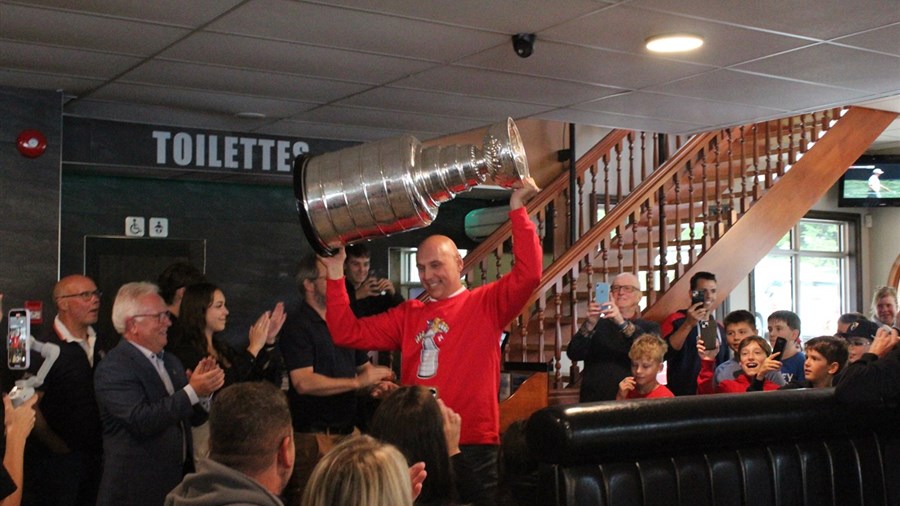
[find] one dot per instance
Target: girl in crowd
(202, 319)
(360, 471)
(426, 430)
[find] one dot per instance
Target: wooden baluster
(704, 204)
(643, 155)
(743, 172)
(756, 189)
(579, 183)
(557, 334)
(635, 222)
(718, 188)
(482, 266)
(729, 203)
(595, 203)
(780, 162)
(541, 223)
(677, 233)
(606, 199)
(630, 138)
(542, 330)
(792, 151)
(651, 251)
(690, 174)
(604, 257)
(663, 248)
(618, 173)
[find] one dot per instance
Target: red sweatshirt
(451, 344)
(737, 385)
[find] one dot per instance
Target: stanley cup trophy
(394, 185)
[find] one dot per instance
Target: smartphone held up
(18, 354)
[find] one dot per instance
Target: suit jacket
(145, 430)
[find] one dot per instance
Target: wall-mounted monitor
(872, 181)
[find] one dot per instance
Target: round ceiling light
(674, 43)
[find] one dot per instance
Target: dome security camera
(523, 44)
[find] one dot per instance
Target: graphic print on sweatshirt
(429, 339)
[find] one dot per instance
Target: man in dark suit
(147, 403)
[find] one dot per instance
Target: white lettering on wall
(203, 151)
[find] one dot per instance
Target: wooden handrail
(619, 212)
(542, 199)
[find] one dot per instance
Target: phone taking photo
(601, 293)
(697, 296)
(780, 343)
(18, 354)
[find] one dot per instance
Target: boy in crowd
(859, 336)
(756, 360)
(786, 324)
(825, 357)
(739, 324)
(646, 354)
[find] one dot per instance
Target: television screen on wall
(872, 181)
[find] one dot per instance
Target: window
(809, 272)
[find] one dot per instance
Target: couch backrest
(796, 447)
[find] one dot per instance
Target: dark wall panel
(253, 237)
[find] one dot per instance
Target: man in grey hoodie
(251, 450)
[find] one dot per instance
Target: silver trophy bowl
(395, 185)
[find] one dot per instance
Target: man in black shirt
(324, 379)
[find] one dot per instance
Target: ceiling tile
(220, 103)
(387, 119)
(503, 16)
(320, 130)
(58, 60)
(68, 84)
(175, 12)
(586, 65)
(886, 40)
(236, 51)
(250, 82)
(624, 28)
(818, 19)
(505, 86)
(335, 27)
(618, 121)
(691, 110)
(52, 27)
(443, 104)
(835, 65)
(761, 91)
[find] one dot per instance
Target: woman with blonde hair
(361, 471)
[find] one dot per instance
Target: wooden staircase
(720, 203)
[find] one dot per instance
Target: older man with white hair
(604, 339)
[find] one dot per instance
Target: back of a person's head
(848, 318)
(175, 276)
(790, 318)
(410, 419)
(247, 423)
(360, 471)
(648, 346)
(834, 349)
(739, 316)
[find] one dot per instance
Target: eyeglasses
(83, 295)
(160, 317)
(858, 341)
(623, 288)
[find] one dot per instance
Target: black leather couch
(781, 448)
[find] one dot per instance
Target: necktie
(163, 374)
